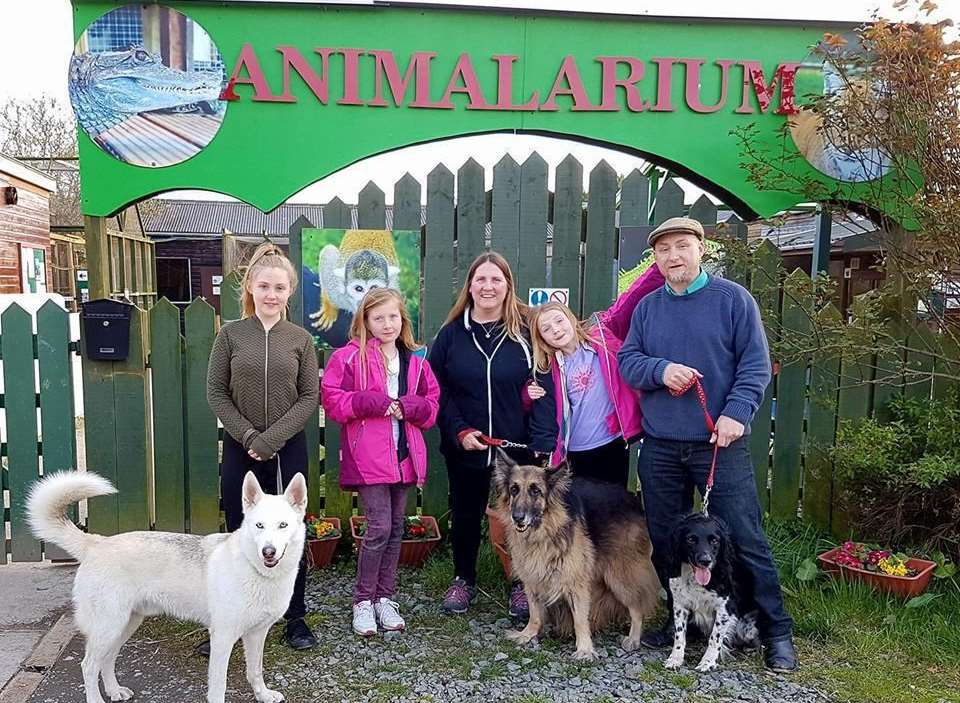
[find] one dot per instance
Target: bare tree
(42, 132)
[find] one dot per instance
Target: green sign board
(258, 100)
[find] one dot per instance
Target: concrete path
(35, 596)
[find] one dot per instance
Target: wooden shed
(25, 258)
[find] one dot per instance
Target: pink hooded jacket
(357, 399)
(610, 328)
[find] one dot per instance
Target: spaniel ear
(678, 548)
(727, 555)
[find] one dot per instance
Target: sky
(36, 43)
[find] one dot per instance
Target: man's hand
(677, 376)
(472, 443)
(727, 432)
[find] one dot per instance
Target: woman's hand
(254, 455)
(535, 391)
(471, 442)
(395, 410)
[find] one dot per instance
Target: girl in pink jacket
(597, 412)
(380, 388)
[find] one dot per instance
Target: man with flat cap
(703, 327)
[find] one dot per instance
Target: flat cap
(676, 225)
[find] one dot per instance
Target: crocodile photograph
(141, 110)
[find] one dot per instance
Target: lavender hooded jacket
(357, 398)
(610, 330)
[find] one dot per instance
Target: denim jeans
(385, 507)
(668, 471)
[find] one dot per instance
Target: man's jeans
(668, 471)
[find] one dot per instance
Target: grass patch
(683, 681)
(862, 645)
(533, 698)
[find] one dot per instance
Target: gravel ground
(440, 658)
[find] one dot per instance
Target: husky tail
(48, 501)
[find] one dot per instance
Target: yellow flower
(894, 568)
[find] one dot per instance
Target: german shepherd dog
(582, 550)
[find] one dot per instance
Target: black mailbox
(106, 329)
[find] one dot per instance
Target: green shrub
(901, 479)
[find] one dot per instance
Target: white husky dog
(236, 584)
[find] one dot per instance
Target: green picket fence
(150, 431)
(37, 375)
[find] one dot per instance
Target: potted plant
(498, 539)
(421, 534)
(880, 568)
(323, 535)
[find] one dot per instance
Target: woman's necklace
(488, 331)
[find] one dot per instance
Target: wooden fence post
(567, 228)
(599, 272)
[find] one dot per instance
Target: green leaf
(923, 600)
(945, 571)
(807, 571)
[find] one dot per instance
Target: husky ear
(296, 493)
(502, 468)
(251, 491)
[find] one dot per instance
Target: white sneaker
(388, 616)
(364, 619)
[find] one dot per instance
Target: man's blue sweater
(716, 330)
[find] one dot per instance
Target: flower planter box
(413, 552)
(498, 538)
(904, 586)
(320, 551)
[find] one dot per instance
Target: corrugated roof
(167, 218)
(799, 231)
(181, 218)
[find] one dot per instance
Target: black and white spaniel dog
(704, 591)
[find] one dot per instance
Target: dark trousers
(668, 472)
(469, 496)
(385, 506)
(608, 462)
(292, 458)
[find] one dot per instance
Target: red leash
(708, 421)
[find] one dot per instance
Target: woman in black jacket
(482, 360)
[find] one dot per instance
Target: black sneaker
(663, 638)
(299, 636)
(458, 597)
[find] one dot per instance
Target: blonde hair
(266, 256)
(360, 332)
(512, 311)
(543, 350)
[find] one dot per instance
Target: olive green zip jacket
(263, 384)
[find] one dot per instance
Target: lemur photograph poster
(341, 265)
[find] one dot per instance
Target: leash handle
(505, 443)
(708, 421)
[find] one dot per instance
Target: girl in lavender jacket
(597, 412)
(381, 389)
